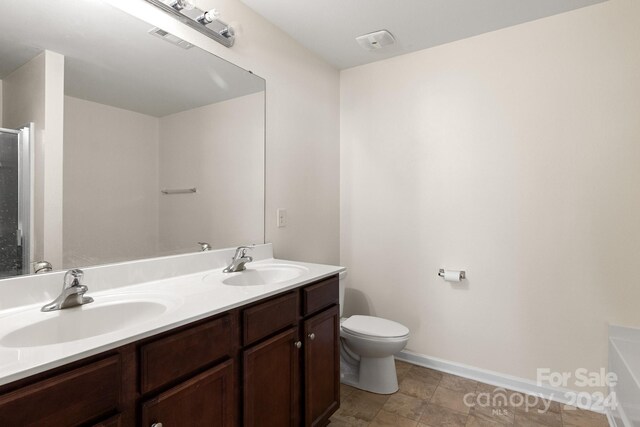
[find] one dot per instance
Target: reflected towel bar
(180, 191)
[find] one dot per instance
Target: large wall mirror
(140, 144)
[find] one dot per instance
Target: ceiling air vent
(170, 38)
(376, 40)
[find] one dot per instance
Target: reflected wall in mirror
(121, 112)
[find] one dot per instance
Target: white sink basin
(265, 274)
(86, 321)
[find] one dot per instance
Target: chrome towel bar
(179, 191)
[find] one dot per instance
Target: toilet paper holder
(463, 274)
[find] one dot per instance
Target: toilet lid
(374, 326)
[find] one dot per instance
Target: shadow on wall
(462, 285)
(356, 302)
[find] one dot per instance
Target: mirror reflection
(119, 141)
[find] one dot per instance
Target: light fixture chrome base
(225, 36)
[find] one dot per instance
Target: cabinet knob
(298, 344)
(312, 336)
(156, 425)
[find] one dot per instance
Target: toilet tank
(342, 284)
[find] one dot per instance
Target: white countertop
(191, 298)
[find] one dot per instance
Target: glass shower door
(14, 201)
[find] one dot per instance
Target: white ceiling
(110, 58)
(329, 27)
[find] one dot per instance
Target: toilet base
(375, 375)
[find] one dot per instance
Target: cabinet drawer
(268, 317)
(207, 399)
(71, 398)
(172, 357)
(320, 295)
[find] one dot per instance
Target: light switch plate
(281, 214)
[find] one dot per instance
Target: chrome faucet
(239, 260)
(72, 293)
(204, 246)
(42, 267)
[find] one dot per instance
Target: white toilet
(367, 346)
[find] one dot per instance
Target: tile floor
(429, 398)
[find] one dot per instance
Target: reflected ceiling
(106, 58)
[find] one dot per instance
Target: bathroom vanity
(263, 354)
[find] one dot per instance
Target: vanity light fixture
(182, 4)
(186, 12)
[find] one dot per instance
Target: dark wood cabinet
(74, 397)
(320, 295)
(321, 366)
(179, 354)
(206, 400)
(115, 421)
(274, 362)
(271, 381)
(286, 369)
(265, 318)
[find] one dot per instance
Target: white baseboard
(497, 379)
(611, 418)
(617, 416)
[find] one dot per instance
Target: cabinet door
(321, 366)
(115, 421)
(207, 400)
(70, 398)
(271, 382)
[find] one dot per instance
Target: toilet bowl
(367, 346)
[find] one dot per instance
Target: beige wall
(34, 93)
(513, 155)
(215, 149)
(210, 148)
(110, 179)
(302, 126)
(53, 159)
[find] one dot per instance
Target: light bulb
(208, 17)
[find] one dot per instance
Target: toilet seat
(372, 338)
(374, 327)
